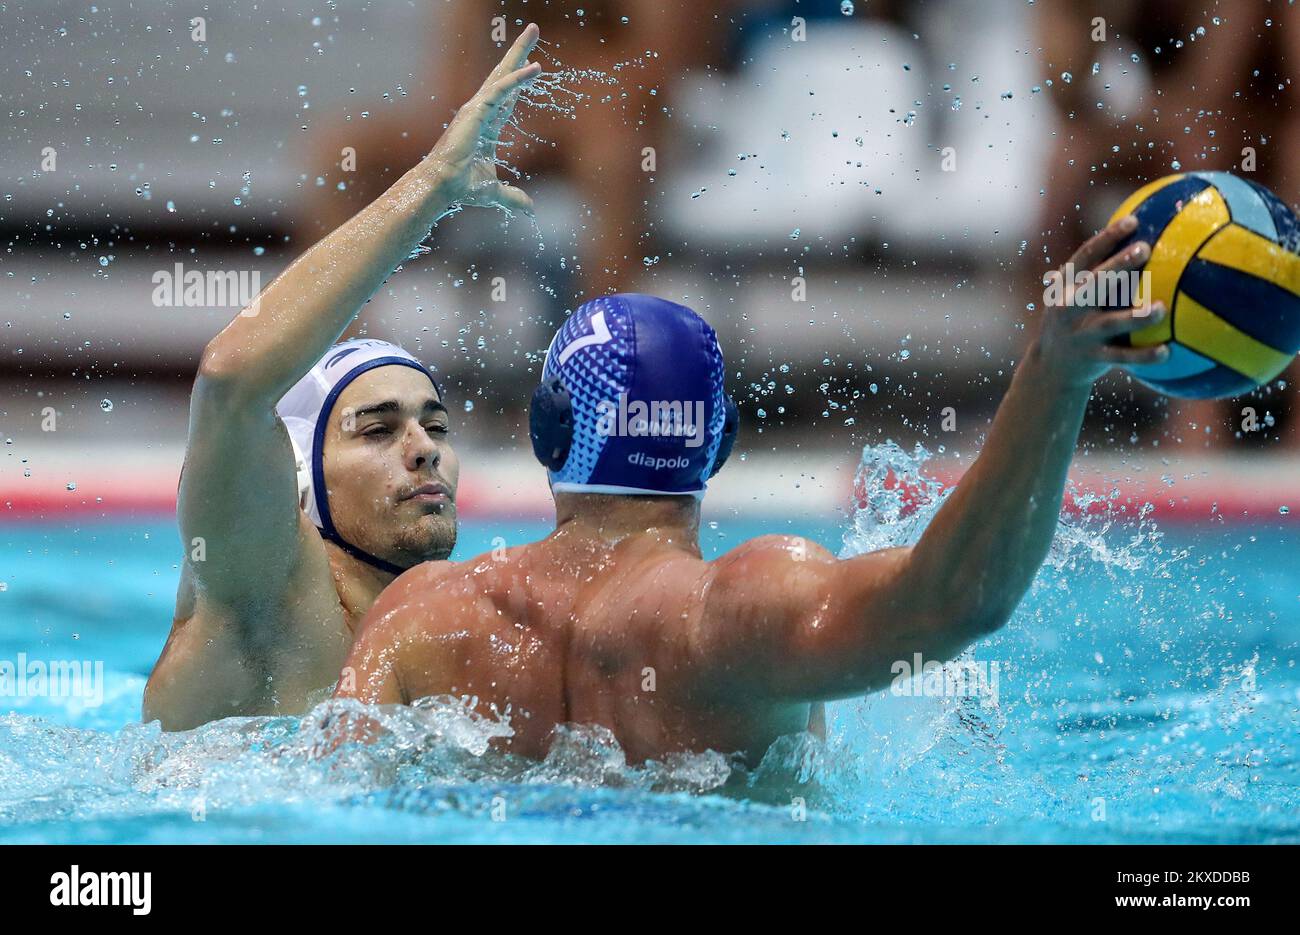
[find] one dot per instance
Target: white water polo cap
(305, 410)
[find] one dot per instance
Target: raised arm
(249, 546)
(834, 628)
(238, 488)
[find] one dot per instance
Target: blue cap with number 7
(632, 400)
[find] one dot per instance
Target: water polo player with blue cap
(617, 620)
(632, 401)
(315, 472)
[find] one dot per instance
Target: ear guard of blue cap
(550, 426)
(730, 429)
(550, 423)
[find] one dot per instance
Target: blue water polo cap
(632, 400)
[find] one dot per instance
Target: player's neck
(616, 517)
(357, 583)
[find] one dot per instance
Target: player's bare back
(572, 629)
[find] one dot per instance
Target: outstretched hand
(465, 156)
(1078, 328)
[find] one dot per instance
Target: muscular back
(577, 630)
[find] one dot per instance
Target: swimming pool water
(1148, 690)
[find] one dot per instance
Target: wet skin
(616, 620)
(629, 632)
(266, 608)
(265, 619)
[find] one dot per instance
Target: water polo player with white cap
(373, 525)
(278, 571)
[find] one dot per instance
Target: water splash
(894, 499)
(559, 90)
(1118, 628)
(1139, 681)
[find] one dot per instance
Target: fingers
(501, 195)
(1101, 287)
(499, 103)
(1102, 245)
(1130, 356)
(1107, 325)
(495, 94)
(470, 143)
(517, 54)
(509, 75)
(1130, 258)
(512, 199)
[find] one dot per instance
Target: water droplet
(106, 405)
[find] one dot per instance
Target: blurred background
(862, 197)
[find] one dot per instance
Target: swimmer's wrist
(444, 182)
(1054, 374)
(432, 185)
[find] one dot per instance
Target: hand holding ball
(1224, 261)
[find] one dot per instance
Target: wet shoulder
(497, 587)
(756, 556)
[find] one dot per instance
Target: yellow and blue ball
(1224, 261)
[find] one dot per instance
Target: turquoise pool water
(1147, 690)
